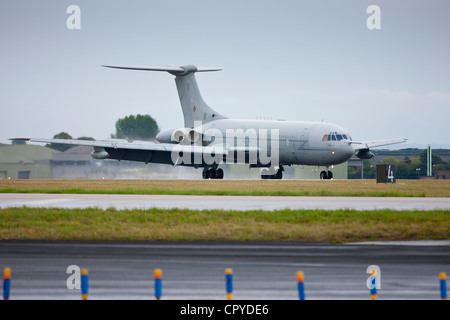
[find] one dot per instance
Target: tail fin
(192, 104)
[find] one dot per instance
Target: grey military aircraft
(209, 138)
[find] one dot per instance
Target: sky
(290, 60)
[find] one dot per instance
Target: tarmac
(196, 270)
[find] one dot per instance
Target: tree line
(139, 127)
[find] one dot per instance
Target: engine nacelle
(364, 154)
(99, 154)
(165, 136)
(182, 135)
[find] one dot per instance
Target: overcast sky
(292, 60)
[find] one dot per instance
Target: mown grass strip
(334, 226)
(403, 188)
(215, 192)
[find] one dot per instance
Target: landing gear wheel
(211, 173)
(266, 173)
(219, 174)
(326, 175)
(205, 173)
(279, 174)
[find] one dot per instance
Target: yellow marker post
(229, 283)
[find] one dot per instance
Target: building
(25, 161)
(442, 174)
(75, 163)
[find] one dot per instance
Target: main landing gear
(272, 173)
(212, 173)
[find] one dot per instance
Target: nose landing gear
(326, 175)
(212, 173)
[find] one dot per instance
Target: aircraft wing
(376, 143)
(141, 151)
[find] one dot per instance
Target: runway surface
(195, 270)
(219, 202)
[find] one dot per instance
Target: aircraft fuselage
(299, 142)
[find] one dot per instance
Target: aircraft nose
(345, 152)
(349, 150)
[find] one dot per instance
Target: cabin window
(325, 137)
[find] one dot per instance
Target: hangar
(21, 161)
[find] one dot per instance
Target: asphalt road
(261, 271)
(219, 202)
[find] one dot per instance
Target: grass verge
(403, 188)
(334, 226)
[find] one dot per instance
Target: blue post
(373, 291)
(84, 284)
(300, 285)
(6, 283)
(158, 284)
(229, 283)
(443, 285)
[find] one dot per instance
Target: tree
(437, 163)
(407, 160)
(60, 147)
(86, 138)
(139, 127)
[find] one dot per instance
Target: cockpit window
(336, 137)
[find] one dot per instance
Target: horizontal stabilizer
(178, 71)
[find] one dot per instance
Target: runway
(199, 202)
(195, 270)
